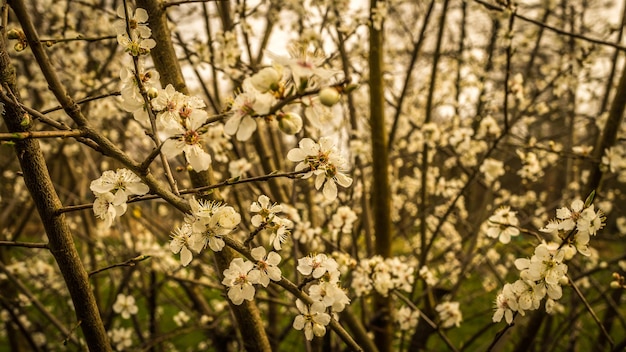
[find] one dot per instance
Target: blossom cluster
(383, 275)
(281, 82)
(112, 191)
(614, 159)
(544, 274)
(326, 292)
(242, 275)
(132, 32)
(180, 119)
(503, 225)
(267, 220)
(181, 122)
(206, 226)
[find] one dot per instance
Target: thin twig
(84, 100)
(590, 310)
(23, 244)
(551, 28)
(428, 321)
(129, 262)
(49, 42)
(184, 2)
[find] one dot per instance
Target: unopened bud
(15, 34)
(152, 92)
(350, 87)
(329, 96)
(615, 284)
(290, 123)
(19, 46)
(25, 120)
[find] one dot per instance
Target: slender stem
(590, 310)
(24, 244)
(425, 157)
(129, 262)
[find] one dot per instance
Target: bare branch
(129, 262)
(24, 244)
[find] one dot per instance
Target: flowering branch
(295, 290)
(196, 190)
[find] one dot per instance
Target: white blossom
(322, 160)
(503, 225)
(125, 305)
(313, 319)
(266, 266)
(239, 278)
(449, 314)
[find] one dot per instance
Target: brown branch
(424, 317)
(40, 186)
(184, 2)
(50, 42)
(24, 244)
(129, 262)
(84, 100)
(590, 310)
(16, 136)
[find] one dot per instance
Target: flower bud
(615, 284)
(265, 80)
(329, 96)
(15, 34)
(152, 92)
(26, 120)
(19, 46)
(290, 123)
